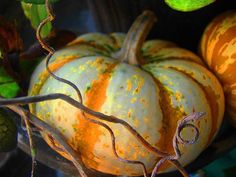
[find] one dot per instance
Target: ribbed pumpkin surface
(218, 48)
(169, 84)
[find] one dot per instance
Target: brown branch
(55, 134)
(184, 123)
(79, 105)
(51, 52)
(25, 116)
(71, 101)
(113, 119)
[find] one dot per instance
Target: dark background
(81, 16)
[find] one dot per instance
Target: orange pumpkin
(218, 49)
(151, 85)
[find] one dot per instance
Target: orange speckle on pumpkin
(106, 146)
(136, 123)
(133, 100)
(129, 113)
(45, 74)
(129, 85)
(171, 117)
(97, 62)
(142, 100)
(89, 132)
(96, 95)
(178, 95)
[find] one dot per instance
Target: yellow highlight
(97, 62)
(133, 100)
(181, 109)
(178, 95)
(136, 122)
(82, 67)
(129, 85)
(129, 113)
(140, 82)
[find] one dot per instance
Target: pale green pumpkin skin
(170, 84)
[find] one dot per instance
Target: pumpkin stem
(131, 50)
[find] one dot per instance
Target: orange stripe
(96, 95)
(210, 31)
(169, 123)
(88, 133)
(211, 98)
(45, 74)
(218, 57)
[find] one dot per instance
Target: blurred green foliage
(188, 5)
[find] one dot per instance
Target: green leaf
(36, 13)
(188, 5)
(38, 1)
(8, 86)
(8, 132)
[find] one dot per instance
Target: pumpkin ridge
(115, 42)
(89, 133)
(210, 97)
(93, 44)
(98, 87)
(170, 59)
(169, 124)
(36, 88)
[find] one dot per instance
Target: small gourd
(218, 49)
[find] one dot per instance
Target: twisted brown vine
(77, 161)
(171, 158)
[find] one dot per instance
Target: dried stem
(25, 116)
(55, 134)
(131, 54)
(184, 123)
(50, 50)
(131, 49)
(97, 122)
(113, 119)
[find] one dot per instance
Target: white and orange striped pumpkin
(218, 49)
(168, 84)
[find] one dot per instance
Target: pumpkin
(218, 49)
(151, 85)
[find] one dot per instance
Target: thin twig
(25, 116)
(113, 119)
(71, 101)
(55, 134)
(51, 52)
(184, 123)
(74, 156)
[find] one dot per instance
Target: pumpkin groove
(151, 98)
(217, 47)
(206, 86)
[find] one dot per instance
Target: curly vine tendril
(71, 101)
(184, 123)
(51, 51)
